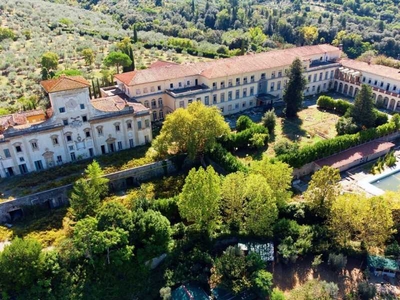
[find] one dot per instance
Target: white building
(75, 127)
(233, 84)
(385, 82)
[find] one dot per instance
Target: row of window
(171, 86)
(381, 85)
(318, 88)
(321, 76)
(62, 109)
(84, 119)
(154, 103)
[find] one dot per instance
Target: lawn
(313, 125)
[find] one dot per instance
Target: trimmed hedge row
(246, 129)
(307, 154)
(226, 160)
(342, 107)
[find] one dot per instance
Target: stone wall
(12, 209)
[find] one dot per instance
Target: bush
(307, 154)
(248, 135)
(226, 160)
(243, 122)
(285, 146)
(393, 249)
(366, 291)
(269, 120)
(346, 126)
(337, 261)
(340, 106)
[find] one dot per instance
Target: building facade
(233, 84)
(76, 127)
(385, 82)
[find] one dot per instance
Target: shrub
(337, 261)
(366, 291)
(269, 120)
(346, 126)
(307, 154)
(243, 122)
(393, 249)
(340, 106)
(226, 160)
(285, 146)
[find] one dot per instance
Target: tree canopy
(322, 190)
(363, 112)
(49, 61)
(193, 130)
(199, 201)
(117, 59)
(362, 219)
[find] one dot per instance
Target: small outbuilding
(380, 266)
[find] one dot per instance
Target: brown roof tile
(348, 156)
(64, 83)
(225, 67)
(161, 63)
(109, 104)
(115, 104)
(383, 71)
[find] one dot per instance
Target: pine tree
(293, 95)
(363, 111)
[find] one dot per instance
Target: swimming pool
(390, 182)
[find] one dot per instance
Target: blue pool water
(389, 183)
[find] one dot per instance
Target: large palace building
(77, 127)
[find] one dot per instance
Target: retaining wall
(57, 197)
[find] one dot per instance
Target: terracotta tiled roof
(346, 157)
(113, 103)
(161, 63)
(126, 77)
(227, 66)
(137, 107)
(64, 83)
(379, 70)
(6, 120)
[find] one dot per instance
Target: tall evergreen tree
(293, 95)
(363, 110)
(135, 36)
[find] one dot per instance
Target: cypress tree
(94, 89)
(293, 95)
(363, 110)
(135, 37)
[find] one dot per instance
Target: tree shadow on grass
(291, 128)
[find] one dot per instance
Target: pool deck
(366, 183)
